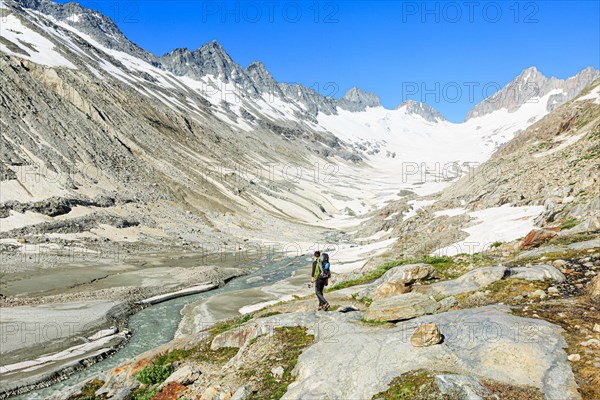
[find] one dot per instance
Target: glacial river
(156, 325)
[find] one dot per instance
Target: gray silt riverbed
(156, 325)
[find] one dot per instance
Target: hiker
(320, 276)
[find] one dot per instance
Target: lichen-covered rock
(468, 282)
(402, 307)
(538, 272)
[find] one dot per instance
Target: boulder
(387, 289)
(408, 274)
(574, 357)
(588, 244)
(538, 272)
(278, 371)
(402, 307)
(216, 393)
(394, 281)
(559, 263)
(243, 393)
(426, 335)
(589, 224)
(535, 237)
(594, 343)
(540, 251)
(184, 375)
(468, 282)
(447, 303)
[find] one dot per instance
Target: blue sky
(446, 54)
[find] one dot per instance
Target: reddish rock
(170, 392)
(537, 236)
(139, 365)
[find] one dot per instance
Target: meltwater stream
(157, 324)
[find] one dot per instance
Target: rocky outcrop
(539, 272)
(356, 100)
(479, 340)
(184, 375)
(402, 307)
(472, 280)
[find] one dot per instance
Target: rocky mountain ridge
(530, 85)
(212, 59)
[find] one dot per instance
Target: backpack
(325, 266)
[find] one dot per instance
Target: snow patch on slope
(35, 47)
(594, 94)
(496, 224)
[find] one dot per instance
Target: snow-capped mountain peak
(425, 111)
(357, 99)
(529, 87)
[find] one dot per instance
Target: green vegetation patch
(441, 264)
(88, 391)
(153, 374)
(224, 326)
(421, 385)
(502, 291)
(373, 322)
(569, 223)
(289, 342)
(564, 240)
(171, 357)
(269, 314)
(144, 393)
(418, 384)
